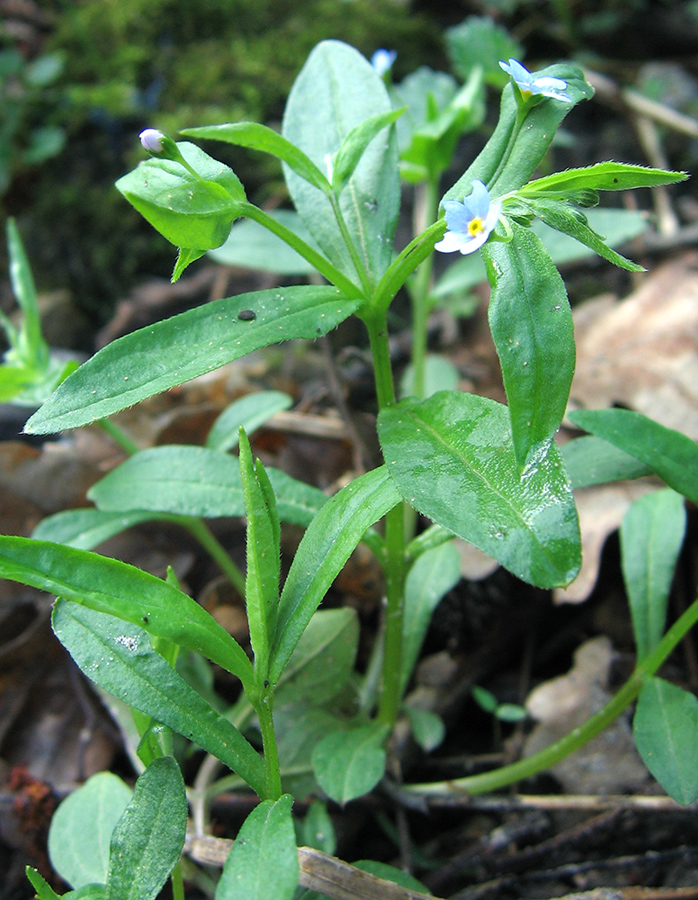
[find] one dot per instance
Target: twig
(318, 872)
(553, 802)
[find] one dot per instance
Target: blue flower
(382, 61)
(470, 221)
(528, 84)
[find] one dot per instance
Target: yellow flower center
(475, 226)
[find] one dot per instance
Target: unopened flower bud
(152, 140)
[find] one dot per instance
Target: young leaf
(670, 454)
(263, 555)
(354, 146)
(119, 657)
(252, 246)
(531, 324)
(531, 142)
(81, 829)
(605, 176)
(195, 481)
(350, 763)
(264, 860)
(31, 348)
(260, 137)
(327, 544)
(451, 457)
(189, 210)
(200, 340)
(651, 535)
(432, 576)
(665, 729)
(337, 90)
(591, 460)
(428, 728)
(42, 888)
(561, 216)
(249, 412)
(114, 587)
(147, 842)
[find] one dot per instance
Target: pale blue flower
(382, 61)
(470, 221)
(528, 84)
(152, 140)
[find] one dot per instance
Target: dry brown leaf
(642, 352)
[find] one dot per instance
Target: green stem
(271, 754)
(119, 436)
(391, 694)
(177, 882)
(350, 245)
(203, 534)
(405, 263)
(324, 266)
(549, 756)
(426, 209)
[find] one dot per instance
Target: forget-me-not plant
(470, 221)
(530, 84)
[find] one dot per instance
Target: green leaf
(562, 216)
(264, 860)
(605, 176)
(42, 888)
(119, 657)
(531, 143)
(249, 412)
(147, 842)
(86, 529)
(316, 830)
(591, 460)
(355, 144)
(428, 728)
(82, 826)
(187, 210)
(432, 576)
(32, 346)
(670, 454)
(665, 729)
(322, 661)
(114, 587)
(531, 324)
(195, 481)
(252, 246)
(200, 340)
(260, 137)
(478, 41)
(451, 457)
(185, 257)
(350, 762)
(651, 536)
(337, 90)
(263, 555)
(327, 544)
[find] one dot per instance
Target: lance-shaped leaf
(31, 346)
(531, 324)
(196, 481)
(260, 137)
(249, 412)
(529, 144)
(665, 729)
(326, 546)
(605, 176)
(187, 210)
(200, 340)
(148, 839)
(252, 246)
(355, 144)
(670, 454)
(451, 457)
(562, 216)
(263, 862)
(263, 555)
(591, 460)
(337, 90)
(651, 535)
(86, 529)
(119, 657)
(114, 587)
